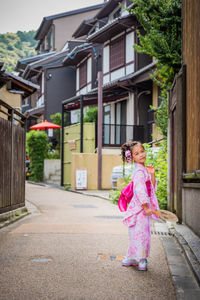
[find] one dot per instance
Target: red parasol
(45, 125)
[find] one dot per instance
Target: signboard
(81, 179)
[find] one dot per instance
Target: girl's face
(139, 154)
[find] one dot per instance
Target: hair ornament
(128, 156)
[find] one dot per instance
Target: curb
(13, 219)
(188, 253)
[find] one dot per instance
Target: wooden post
(100, 117)
(81, 124)
(12, 160)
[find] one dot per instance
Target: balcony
(114, 135)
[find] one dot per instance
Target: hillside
(15, 46)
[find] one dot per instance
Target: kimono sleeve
(140, 189)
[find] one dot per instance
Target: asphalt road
(70, 248)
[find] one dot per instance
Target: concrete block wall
(52, 171)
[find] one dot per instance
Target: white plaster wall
(77, 79)
(106, 79)
(106, 59)
(129, 69)
(118, 73)
(83, 90)
(43, 83)
(130, 110)
(89, 70)
(129, 47)
(89, 87)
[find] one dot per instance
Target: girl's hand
(148, 211)
(151, 170)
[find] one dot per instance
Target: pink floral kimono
(135, 218)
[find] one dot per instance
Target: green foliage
(91, 114)
(158, 158)
(36, 145)
(115, 194)
(161, 21)
(57, 119)
(15, 46)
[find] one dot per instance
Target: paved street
(71, 247)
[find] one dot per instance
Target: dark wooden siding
(83, 74)
(12, 159)
(117, 53)
(191, 57)
(5, 162)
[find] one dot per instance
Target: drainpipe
(100, 117)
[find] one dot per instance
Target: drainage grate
(84, 206)
(164, 233)
(109, 217)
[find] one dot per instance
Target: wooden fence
(12, 158)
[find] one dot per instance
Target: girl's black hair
(128, 146)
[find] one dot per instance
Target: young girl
(141, 208)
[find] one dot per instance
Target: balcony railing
(116, 134)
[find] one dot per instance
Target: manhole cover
(109, 217)
(84, 206)
(41, 259)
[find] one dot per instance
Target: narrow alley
(71, 246)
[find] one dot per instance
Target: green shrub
(157, 158)
(57, 119)
(36, 142)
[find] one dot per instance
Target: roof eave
(100, 37)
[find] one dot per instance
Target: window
(117, 54)
(120, 122)
(106, 125)
(83, 74)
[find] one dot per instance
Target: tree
(161, 21)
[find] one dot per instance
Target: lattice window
(117, 54)
(83, 75)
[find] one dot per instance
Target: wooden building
(184, 124)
